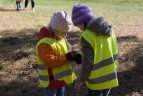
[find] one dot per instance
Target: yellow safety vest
(64, 72)
(103, 73)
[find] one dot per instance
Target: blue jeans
(54, 91)
(18, 5)
(104, 92)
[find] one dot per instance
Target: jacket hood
(44, 32)
(100, 26)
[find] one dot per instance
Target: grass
(114, 10)
(18, 31)
(2, 66)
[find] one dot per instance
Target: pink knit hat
(61, 21)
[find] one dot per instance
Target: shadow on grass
(20, 88)
(131, 81)
(127, 39)
(14, 46)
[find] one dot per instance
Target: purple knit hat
(81, 13)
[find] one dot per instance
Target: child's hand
(70, 56)
(74, 56)
(77, 58)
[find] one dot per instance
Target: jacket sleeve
(48, 56)
(87, 57)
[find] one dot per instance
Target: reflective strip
(63, 74)
(103, 78)
(44, 77)
(105, 62)
(42, 67)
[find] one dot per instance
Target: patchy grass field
(18, 31)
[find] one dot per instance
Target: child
(99, 52)
(18, 6)
(54, 56)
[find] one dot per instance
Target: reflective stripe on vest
(56, 76)
(105, 62)
(103, 78)
(100, 65)
(63, 74)
(42, 67)
(42, 75)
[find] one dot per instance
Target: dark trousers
(32, 3)
(104, 92)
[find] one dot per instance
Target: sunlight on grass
(114, 11)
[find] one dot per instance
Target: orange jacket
(48, 56)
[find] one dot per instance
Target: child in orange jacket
(59, 25)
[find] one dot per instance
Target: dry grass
(18, 31)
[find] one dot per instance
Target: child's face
(61, 34)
